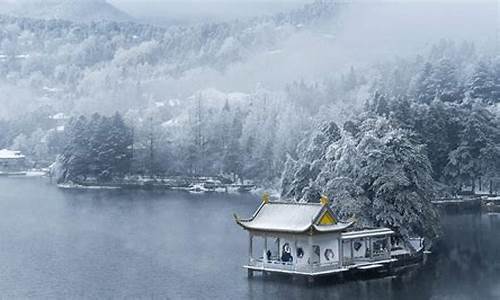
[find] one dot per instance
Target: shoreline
(192, 185)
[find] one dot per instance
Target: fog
(79, 68)
(188, 11)
(144, 115)
(361, 35)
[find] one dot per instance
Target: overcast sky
(223, 9)
(181, 9)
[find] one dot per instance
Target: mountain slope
(73, 10)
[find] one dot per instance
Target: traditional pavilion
(308, 239)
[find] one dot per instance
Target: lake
(71, 244)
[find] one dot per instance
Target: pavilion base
(360, 267)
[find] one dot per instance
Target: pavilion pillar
(341, 251)
(279, 249)
(388, 246)
(294, 253)
(265, 249)
(370, 242)
(311, 255)
(250, 246)
(352, 251)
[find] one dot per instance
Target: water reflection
(137, 244)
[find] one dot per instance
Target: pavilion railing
(292, 266)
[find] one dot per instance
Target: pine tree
(308, 166)
(232, 158)
(75, 157)
(426, 89)
(380, 174)
(478, 152)
(98, 148)
(120, 140)
(445, 81)
(482, 85)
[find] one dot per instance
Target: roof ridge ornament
(324, 200)
(265, 198)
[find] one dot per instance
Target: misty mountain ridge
(90, 67)
(72, 10)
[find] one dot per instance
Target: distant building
(12, 161)
(59, 120)
(59, 117)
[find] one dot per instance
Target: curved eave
(333, 228)
(280, 230)
(309, 229)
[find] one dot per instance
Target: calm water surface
(57, 244)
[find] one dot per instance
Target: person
(286, 255)
(268, 255)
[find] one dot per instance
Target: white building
(308, 239)
(11, 161)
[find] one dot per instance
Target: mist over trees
(103, 65)
(108, 100)
(456, 119)
(430, 128)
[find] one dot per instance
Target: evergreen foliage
(373, 170)
(98, 148)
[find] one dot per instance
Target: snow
(273, 52)
(59, 116)
(367, 233)
(229, 45)
(215, 95)
(86, 187)
(400, 252)
(50, 90)
(369, 267)
(60, 128)
(35, 173)
(174, 102)
(10, 154)
(279, 216)
(171, 123)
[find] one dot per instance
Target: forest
(109, 100)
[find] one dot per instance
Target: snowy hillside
(79, 59)
(73, 10)
(104, 63)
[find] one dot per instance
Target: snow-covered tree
(98, 148)
(485, 84)
(379, 173)
(478, 151)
